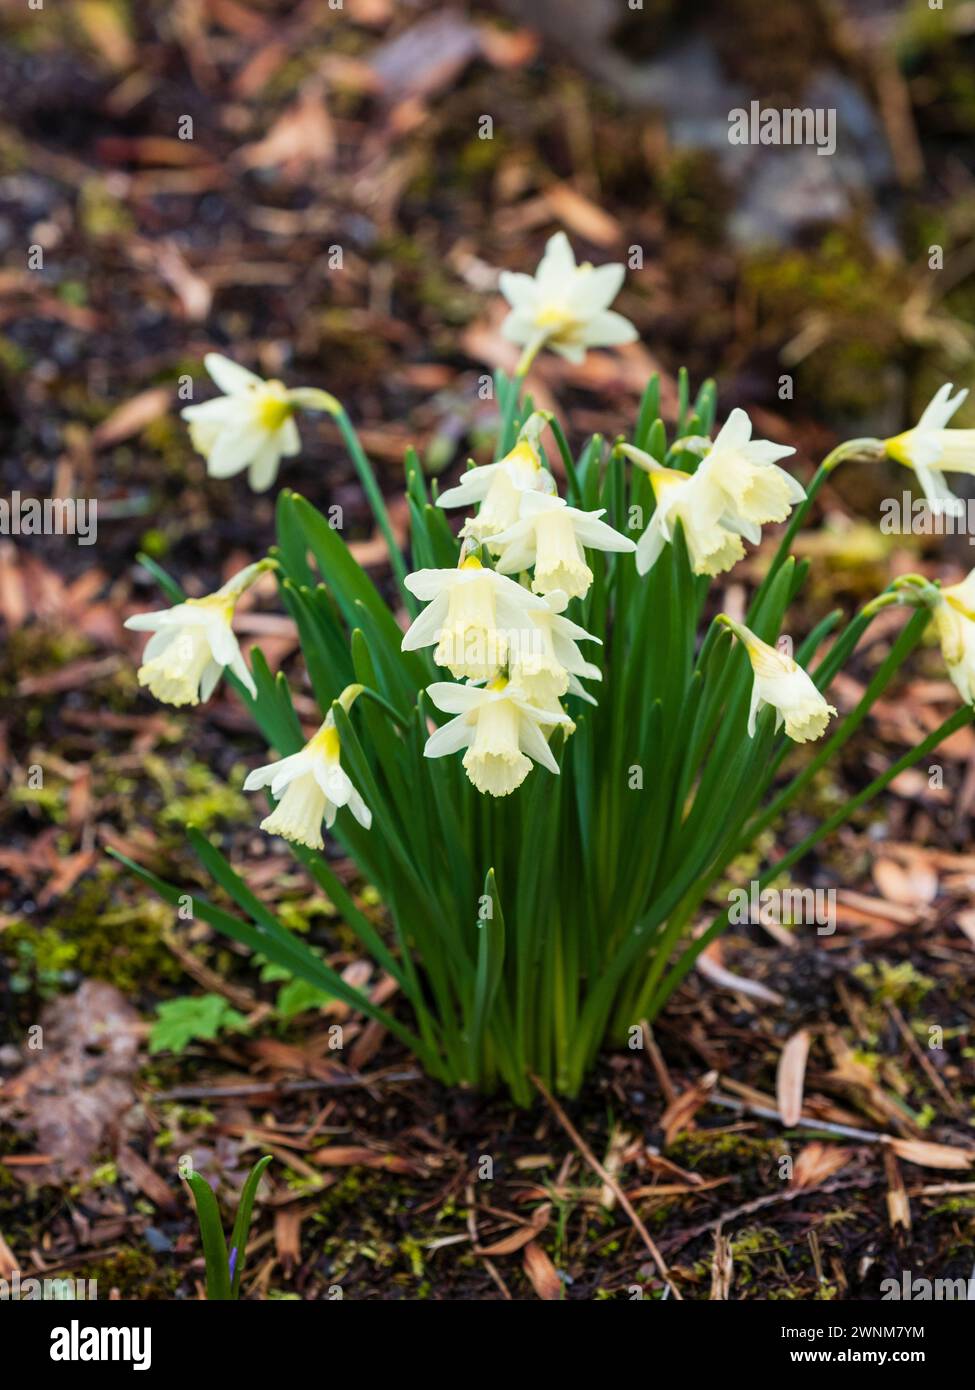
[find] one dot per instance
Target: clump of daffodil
(250, 426)
(501, 729)
(782, 683)
(564, 306)
(311, 786)
(470, 610)
(499, 487)
(932, 450)
(551, 536)
(193, 642)
(954, 617)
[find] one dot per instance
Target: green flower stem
(951, 725)
(374, 496)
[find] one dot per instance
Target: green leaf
(199, 1017)
(242, 1224)
(211, 1233)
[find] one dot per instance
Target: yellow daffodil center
(899, 448)
(273, 410)
(327, 742)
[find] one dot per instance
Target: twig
(924, 1062)
(829, 1127)
(610, 1181)
(281, 1088)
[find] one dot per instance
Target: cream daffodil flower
(250, 426)
(564, 306)
(470, 610)
(746, 471)
(932, 450)
(782, 683)
(499, 487)
(713, 537)
(551, 535)
(954, 619)
(500, 728)
(543, 660)
(309, 787)
(193, 642)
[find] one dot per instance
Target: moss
(124, 946)
(900, 984)
(136, 1274)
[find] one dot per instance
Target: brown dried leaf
(73, 1093)
(132, 416)
(817, 1162)
(928, 1155)
(791, 1076)
(679, 1115)
(542, 1273)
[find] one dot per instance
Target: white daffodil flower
(471, 608)
(309, 787)
(500, 728)
(250, 426)
(747, 472)
(193, 642)
(550, 535)
(543, 659)
(954, 618)
(564, 306)
(932, 450)
(713, 537)
(499, 487)
(783, 684)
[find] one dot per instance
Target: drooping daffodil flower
(499, 487)
(501, 729)
(471, 609)
(551, 536)
(311, 786)
(954, 619)
(193, 642)
(543, 659)
(781, 682)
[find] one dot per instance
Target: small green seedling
(223, 1271)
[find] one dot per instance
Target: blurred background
(327, 191)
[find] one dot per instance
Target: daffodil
(193, 642)
(499, 727)
(564, 306)
(250, 426)
(543, 659)
(746, 471)
(932, 450)
(499, 487)
(551, 535)
(470, 610)
(954, 618)
(782, 683)
(713, 537)
(310, 787)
